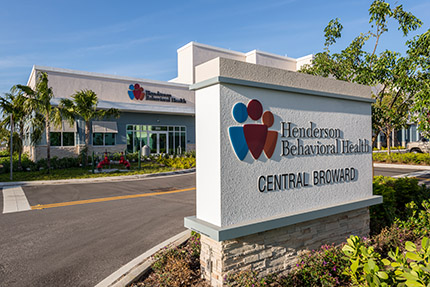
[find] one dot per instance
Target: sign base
(276, 250)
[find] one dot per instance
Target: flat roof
(103, 76)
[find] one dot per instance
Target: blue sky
(140, 38)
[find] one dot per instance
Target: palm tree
(38, 104)
(12, 104)
(84, 105)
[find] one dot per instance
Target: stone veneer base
(276, 250)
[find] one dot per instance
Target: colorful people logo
(253, 137)
(136, 92)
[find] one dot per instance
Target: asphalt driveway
(81, 244)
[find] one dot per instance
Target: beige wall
(194, 54)
(107, 88)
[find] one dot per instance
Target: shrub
(410, 268)
(5, 163)
(322, 267)
(179, 162)
(396, 193)
(418, 220)
(391, 238)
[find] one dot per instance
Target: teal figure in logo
(130, 93)
(237, 135)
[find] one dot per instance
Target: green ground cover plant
(402, 158)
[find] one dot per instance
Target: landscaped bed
(396, 254)
(402, 158)
(71, 168)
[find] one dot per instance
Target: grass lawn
(77, 172)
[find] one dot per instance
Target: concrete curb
(95, 179)
(402, 166)
(141, 264)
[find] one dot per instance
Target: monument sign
(284, 162)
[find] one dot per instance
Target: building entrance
(160, 139)
(158, 142)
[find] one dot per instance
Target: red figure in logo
(138, 92)
(272, 136)
(255, 134)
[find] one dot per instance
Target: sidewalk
(95, 179)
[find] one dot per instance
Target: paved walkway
(14, 199)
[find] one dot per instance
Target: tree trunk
(388, 134)
(48, 143)
(21, 136)
(87, 140)
(374, 138)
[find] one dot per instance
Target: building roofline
(271, 55)
(192, 43)
(103, 76)
(305, 57)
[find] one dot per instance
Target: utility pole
(11, 147)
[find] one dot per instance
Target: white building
(154, 113)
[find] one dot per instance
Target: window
(97, 138)
(55, 138)
(100, 139)
(109, 139)
(104, 133)
(160, 139)
(68, 139)
(62, 139)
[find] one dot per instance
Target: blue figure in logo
(237, 136)
(130, 93)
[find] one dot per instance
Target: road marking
(416, 174)
(423, 178)
(78, 202)
(14, 199)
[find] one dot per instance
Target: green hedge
(396, 193)
(181, 162)
(404, 158)
(29, 165)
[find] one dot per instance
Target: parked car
(421, 146)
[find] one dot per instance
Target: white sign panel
(263, 153)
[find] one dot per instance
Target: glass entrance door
(158, 142)
(162, 143)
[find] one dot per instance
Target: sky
(140, 38)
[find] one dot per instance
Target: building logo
(136, 92)
(255, 138)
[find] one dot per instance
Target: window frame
(104, 139)
(62, 139)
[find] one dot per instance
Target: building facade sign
(294, 141)
(136, 92)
